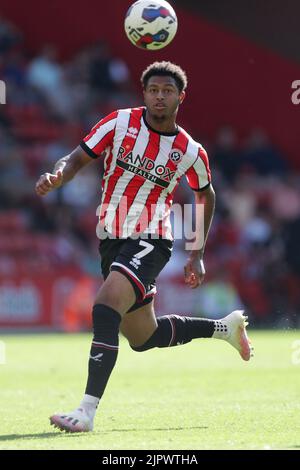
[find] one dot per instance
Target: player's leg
(145, 332)
(139, 325)
(172, 330)
(113, 299)
(128, 267)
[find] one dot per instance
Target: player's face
(162, 97)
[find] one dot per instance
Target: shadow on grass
(154, 429)
(47, 435)
(40, 435)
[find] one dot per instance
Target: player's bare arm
(194, 269)
(64, 170)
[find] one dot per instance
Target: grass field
(197, 396)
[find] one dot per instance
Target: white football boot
(233, 330)
(75, 421)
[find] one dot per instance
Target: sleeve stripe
(201, 170)
(194, 177)
(104, 142)
(203, 155)
(198, 175)
(95, 137)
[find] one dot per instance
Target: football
(150, 25)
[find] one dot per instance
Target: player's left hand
(194, 272)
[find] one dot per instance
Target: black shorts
(140, 260)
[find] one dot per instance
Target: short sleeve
(101, 136)
(198, 175)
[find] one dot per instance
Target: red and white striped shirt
(142, 168)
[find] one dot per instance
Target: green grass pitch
(197, 396)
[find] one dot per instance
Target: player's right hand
(194, 271)
(47, 182)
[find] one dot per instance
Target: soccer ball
(150, 24)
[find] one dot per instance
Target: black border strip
(202, 189)
(88, 150)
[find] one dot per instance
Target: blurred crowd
(253, 248)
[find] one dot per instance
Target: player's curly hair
(165, 69)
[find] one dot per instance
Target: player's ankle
(220, 330)
(89, 411)
(89, 404)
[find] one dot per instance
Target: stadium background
(67, 67)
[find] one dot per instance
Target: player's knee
(110, 300)
(142, 348)
(149, 344)
(115, 296)
(105, 319)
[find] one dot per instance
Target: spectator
(260, 155)
(9, 36)
(47, 76)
